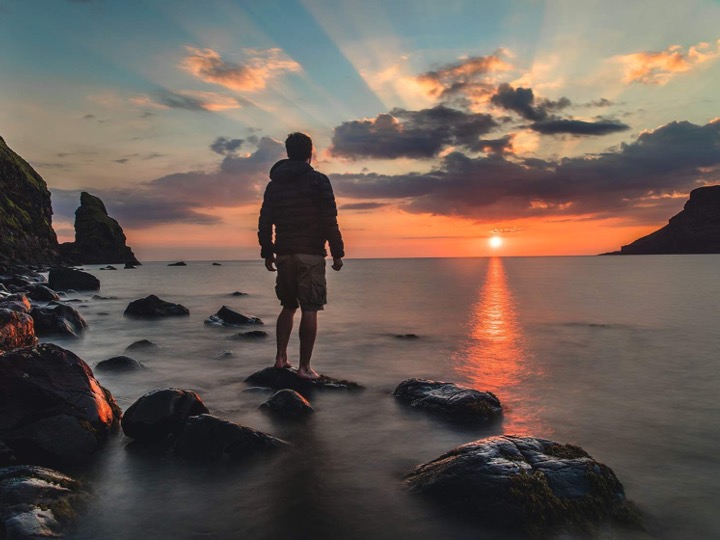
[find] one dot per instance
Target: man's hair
(298, 146)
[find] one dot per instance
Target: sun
(495, 242)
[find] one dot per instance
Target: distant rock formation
(26, 233)
(694, 230)
(99, 239)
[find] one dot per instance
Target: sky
(563, 127)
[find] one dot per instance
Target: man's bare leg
(308, 332)
(283, 330)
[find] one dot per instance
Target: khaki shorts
(301, 281)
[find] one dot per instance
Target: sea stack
(26, 233)
(99, 239)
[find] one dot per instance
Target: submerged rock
(449, 399)
(62, 279)
(238, 293)
(142, 345)
(120, 363)
(227, 317)
(99, 297)
(407, 336)
(58, 319)
(161, 413)
(523, 482)
(288, 403)
(180, 263)
(216, 264)
(225, 354)
(36, 502)
(52, 409)
(17, 329)
(278, 379)
(252, 334)
(130, 266)
(108, 268)
(152, 307)
(208, 438)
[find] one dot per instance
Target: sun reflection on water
(495, 356)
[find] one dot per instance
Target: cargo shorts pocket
(312, 286)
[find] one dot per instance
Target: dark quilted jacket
(300, 202)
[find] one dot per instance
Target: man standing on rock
(300, 203)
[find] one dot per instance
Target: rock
(17, 329)
(41, 293)
(108, 268)
(61, 278)
(457, 402)
(52, 409)
(523, 482)
(129, 266)
(216, 264)
(152, 307)
(208, 438)
(120, 363)
(99, 239)
(36, 502)
(58, 319)
(238, 293)
(98, 297)
(26, 232)
(225, 354)
(278, 379)
(696, 229)
(161, 413)
(180, 263)
(142, 345)
(288, 403)
(407, 336)
(16, 302)
(227, 317)
(252, 334)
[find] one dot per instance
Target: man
(300, 203)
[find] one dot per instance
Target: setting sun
(495, 242)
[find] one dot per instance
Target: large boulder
(52, 409)
(208, 438)
(26, 232)
(17, 330)
(523, 482)
(36, 502)
(58, 319)
(61, 279)
(152, 307)
(449, 399)
(16, 302)
(40, 293)
(161, 413)
(276, 378)
(227, 317)
(99, 239)
(288, 403)
(120, 363)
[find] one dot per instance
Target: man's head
(299, 146)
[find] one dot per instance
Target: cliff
(696, 229)
(26, 233)
(99, 239)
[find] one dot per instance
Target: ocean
(618, 355)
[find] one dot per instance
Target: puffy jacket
(300, 202)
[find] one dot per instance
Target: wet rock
(62, 279)
(252, 334)
(208, 438)
(17, 329)
(278, 379)
(120, 363)
(142, 345)
(108, 267)
(457, 402)
(227, 317)
(52, 409)
(58, 319)
(130, 266)
(216, 264)
(16, 302)
(407, 336)
(225, 354)
(238, 293)
(523, 482)
(288, 403)
(99, 297)
(153, 307)
(41, 293)
(161, 413)
(179, 263)
(36, 502)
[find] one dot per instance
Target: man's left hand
(270, 264)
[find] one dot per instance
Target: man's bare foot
(282, 364)
(307, 373)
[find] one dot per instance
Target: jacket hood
(288, 169)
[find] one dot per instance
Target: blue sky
(432, 117)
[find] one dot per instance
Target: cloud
(362, 206)
(660, 67)
(190, 101)
(671, 159)
(225, 146)
(413, 134)
(259, 67)
(555, 126)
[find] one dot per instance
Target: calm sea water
(618, 355)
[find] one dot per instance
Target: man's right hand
(337, 264)
(270, 264)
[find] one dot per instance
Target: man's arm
(328, 215)
(265, 229)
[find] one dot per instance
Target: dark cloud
(122, 160)
(362, 206)
(555, 126)
(412, 134)
(180, 101)
(225, 146)
(636, 180)
(602, 102)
